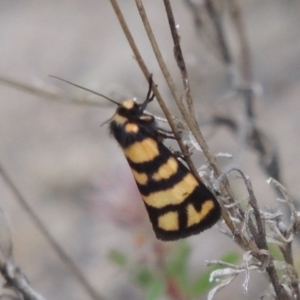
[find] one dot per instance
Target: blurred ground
(69, 169)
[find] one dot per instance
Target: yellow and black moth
(178, 204)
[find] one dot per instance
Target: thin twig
(221, 39)
(51, 240)
(255, 138)
(244, 242)
(180, 60)
(246, 60)
(146, 73)
(259, 141)
(18, 281)
(209, 21)
(240, 239)
(290, 202)
(191, 123)
(269, 159)
(261, 240)
(287, 250)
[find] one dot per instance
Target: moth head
(129, 108)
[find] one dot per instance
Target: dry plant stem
(218, 31)
(246, 62)
(287, 249)
(245, 243)
(173, 289)
(27, 87)
(51, 240)
(191, 123)
(287, 253)
(195, 130)
(50, 95)
(246, 68)
(215, 17)
(180, 60)
(17, 280)
(240, 239)
(261, 241)
(200, 22)
(198, 18)
(274, 280)
(257, 139)
(290, 202)
(146, 73)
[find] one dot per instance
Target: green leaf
(275, 251)
(155, 290)
(179, 259)
(202, 284)
(231, 257)
(145, 277)
(118, 258)
(177, 265)
(153, 285)
(277, 254)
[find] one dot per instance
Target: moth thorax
(118, 119)
(128, 104)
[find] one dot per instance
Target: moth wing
(177, 203)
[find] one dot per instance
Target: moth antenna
(107, 121)
(83, 88)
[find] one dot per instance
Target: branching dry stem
(220, 32)
(191, 124)
(146, 73)
(17, 280)
(180, 60)
(75, 271)
(255, 137)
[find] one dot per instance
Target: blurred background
(75, 176)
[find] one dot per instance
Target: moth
(178, 204)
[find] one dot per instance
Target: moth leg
(166, 134)
(150, 94)
(180, 154)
